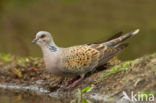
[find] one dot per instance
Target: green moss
(117, 68)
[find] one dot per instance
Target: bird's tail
(116, 41)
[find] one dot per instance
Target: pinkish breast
(51, 61)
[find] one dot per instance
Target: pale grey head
(43, 38)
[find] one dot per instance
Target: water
(19, 94)
(10, 97)
(12, 93)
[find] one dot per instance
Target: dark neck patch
(52, 48)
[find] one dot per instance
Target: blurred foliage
(5, 57)
(74, 22)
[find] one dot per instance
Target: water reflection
(9, 97)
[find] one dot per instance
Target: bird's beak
(35, 40)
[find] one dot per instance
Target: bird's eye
(42, 36)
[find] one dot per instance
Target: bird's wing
(81, 59)
(106, 52)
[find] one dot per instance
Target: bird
(79, 59)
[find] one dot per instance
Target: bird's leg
(69, 82)
(74, 83)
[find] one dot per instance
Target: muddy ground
(106, 84)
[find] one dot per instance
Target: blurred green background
(74, 22)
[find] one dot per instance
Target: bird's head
(43, 38)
